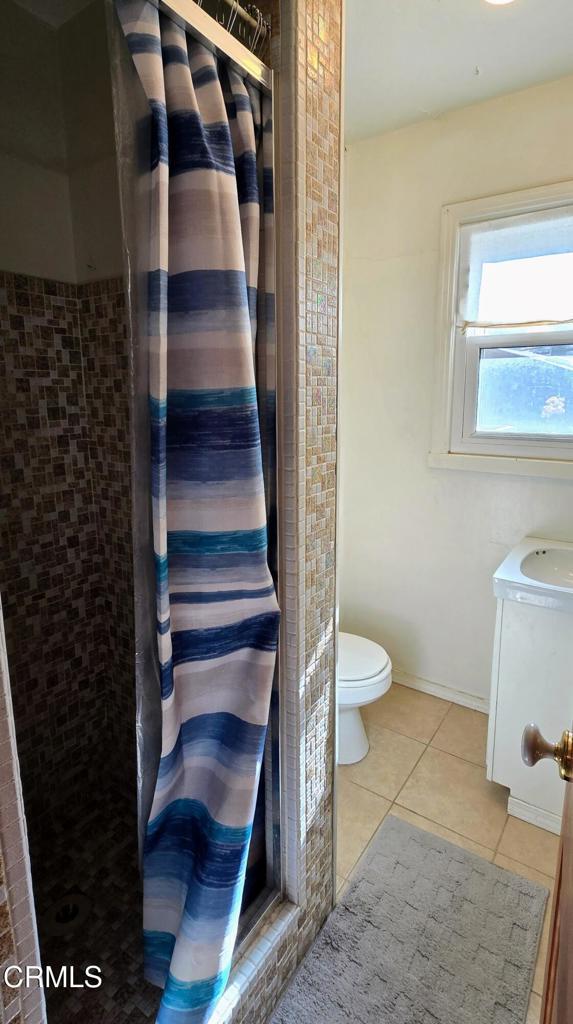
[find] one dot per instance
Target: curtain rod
(191, 16)
(466, 325)
(250, 14)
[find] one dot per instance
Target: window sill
(559, 469)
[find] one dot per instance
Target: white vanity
(532, 673)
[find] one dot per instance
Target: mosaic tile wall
(49, 534)
(309, 57)
(65, 529)
(319, 66)
(105, 356)
(18, 939)
(10, 1003)
(309, 116)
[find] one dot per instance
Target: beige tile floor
(426, 764)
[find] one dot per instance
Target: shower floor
(88, 902)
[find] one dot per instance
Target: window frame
(454, 441)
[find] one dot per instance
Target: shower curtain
(217, 615)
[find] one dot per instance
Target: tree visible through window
(526, 391)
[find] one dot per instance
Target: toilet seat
(364, 693)
(359, 659)
(364, 674)
(364, 670)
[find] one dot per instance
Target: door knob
(534, 748)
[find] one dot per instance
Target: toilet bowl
(364, 675)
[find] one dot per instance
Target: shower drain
(67, 914)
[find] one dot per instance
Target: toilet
(364, 675)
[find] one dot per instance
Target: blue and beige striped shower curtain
(216, 604)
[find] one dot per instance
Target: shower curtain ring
(255, 42)
(233, 15)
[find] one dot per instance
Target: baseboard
(467, 700)
(534, 815)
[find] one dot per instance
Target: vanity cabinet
(532, 681)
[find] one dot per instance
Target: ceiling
(54, 12)
(408, 60)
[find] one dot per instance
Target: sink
(538, 571)
(550, 565)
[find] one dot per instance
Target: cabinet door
(534, 686)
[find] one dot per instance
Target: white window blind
(517, 270)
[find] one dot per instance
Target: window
(506, 328)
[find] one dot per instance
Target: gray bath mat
(426, 934)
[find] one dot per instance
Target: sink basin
(549, 565)
(539, 572)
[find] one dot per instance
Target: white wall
(91, 159)
(36, 227)
(417, 545)
(59, 217)
(31, 113)
(36, 232)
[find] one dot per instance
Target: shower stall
(77, 557)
